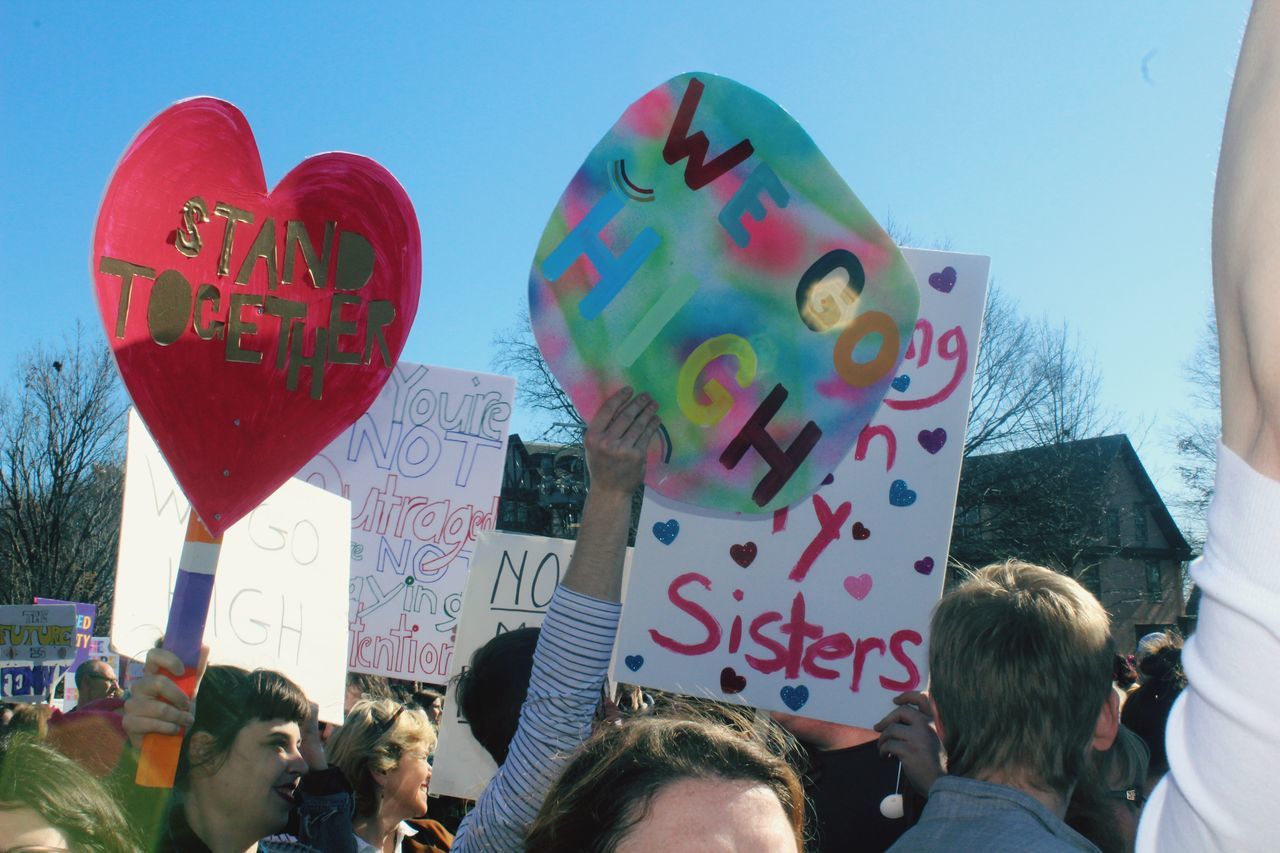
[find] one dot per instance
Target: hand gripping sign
(250, 327)
(706, 252)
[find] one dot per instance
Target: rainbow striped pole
(158, 762)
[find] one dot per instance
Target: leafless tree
(61, 467)
(518, 355)
(1035, 391)
(1198, 429)
(1034, 384)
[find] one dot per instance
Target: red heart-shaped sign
(250, 327)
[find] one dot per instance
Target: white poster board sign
(280, 598)
(512, 579)
(822, 609)
(37, 644)
(422, 469)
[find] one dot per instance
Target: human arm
(1221, 737)
(907, 734)
(616, 443)
(1246, 254)
(576, 641)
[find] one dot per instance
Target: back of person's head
(608, 788)
(1147, 710)
(54, 790)
(31, 719)
(1020, 665)
(230, 697)
(1123, 672)
(377, 734)
(1149, 643)
(493, 688)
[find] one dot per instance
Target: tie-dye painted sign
(707, 252)
(824, 608)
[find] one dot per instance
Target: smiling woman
(383, 749)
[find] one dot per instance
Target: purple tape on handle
(187, 615)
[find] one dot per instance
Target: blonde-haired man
(1020, 660)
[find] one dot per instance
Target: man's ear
(1108, 725)
(937, 720)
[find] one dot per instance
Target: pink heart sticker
(859, 586)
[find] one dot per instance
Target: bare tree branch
(61, 467)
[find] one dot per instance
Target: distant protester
(96, 680)
(31, 718)
(383, 749)
(431, 700)
(657, 783)
(1107, 803)
(1147, 710)
(492, 690)
(48, 803)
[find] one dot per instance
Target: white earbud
(892, 805)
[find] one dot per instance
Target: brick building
(1086, 508)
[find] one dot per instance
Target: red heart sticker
(250, 327)
(744, 555)
(731, 682)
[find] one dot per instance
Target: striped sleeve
(569, 667)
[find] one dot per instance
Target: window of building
(1139, 524)
(1155, 588)
(1113, 526)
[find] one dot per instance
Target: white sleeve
(1223, 739)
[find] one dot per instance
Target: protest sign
(823, 608)
(747, 290)
(221, 391)
(86, 616)
(250, 327)
(280, 595)
(37, 644)
(422, 469)
(510, 586)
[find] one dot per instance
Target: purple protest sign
(86, 617)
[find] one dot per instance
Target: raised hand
(617, 441)
(155, 703)
(907, 734)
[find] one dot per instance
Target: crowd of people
(1037, 733)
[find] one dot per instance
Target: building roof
(1084, 464)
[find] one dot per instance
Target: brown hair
(375, 736)
(607, 787)
(228, 698)
(31, 718)
(1020, 660)
(33, 775)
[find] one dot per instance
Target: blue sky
(1075, 143)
